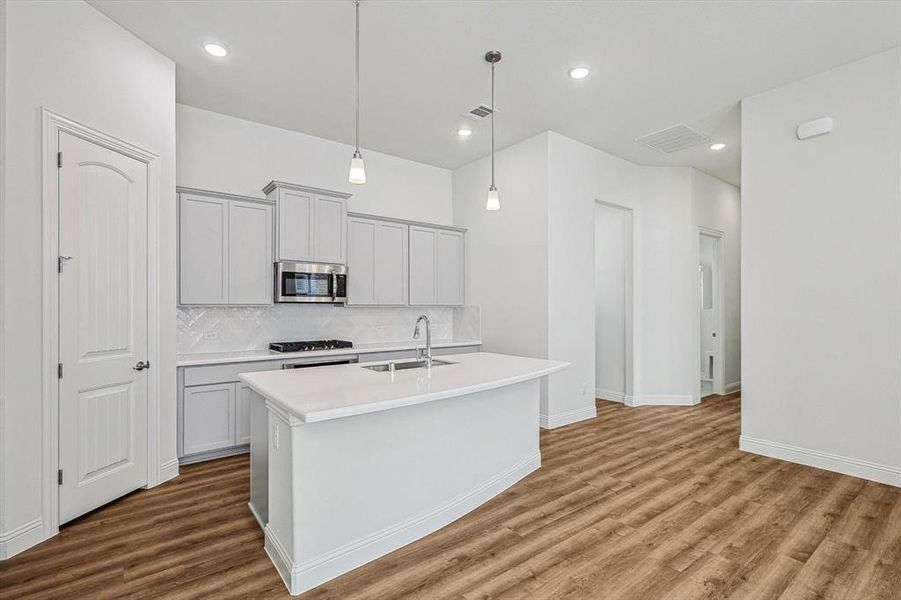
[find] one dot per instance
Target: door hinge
(59, 477)
(59, 160)
(59, 370)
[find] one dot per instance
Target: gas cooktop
(309, 345)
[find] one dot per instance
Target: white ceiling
(654, 64)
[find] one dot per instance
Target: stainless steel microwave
(310, 282)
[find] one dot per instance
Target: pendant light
(357, 166)
(492, 201)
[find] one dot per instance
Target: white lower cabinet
(242, 413)
(209, 418)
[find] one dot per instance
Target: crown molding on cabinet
(304, 188)
(406, 222)
(223, 195)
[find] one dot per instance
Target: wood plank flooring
(638, 504)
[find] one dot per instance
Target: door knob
(141, 365)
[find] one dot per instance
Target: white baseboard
(663, 400)
(731, 388)
(567, 418)
(21, 538)
(611, 395)
(300, 577)
(169, 470)
(214, 454)
(822, 460)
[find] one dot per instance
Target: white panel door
(391, 253)
(242, 413)
(450, 268)
(361, 261)
(208, 418)
(250, 269)
(330, 230)
(102, 326)
(295, 226)
(202, 250)
(422, 266)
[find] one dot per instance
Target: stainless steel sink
(402, 366)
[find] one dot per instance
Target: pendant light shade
(357, 169)
(492, 201)
(357, 166)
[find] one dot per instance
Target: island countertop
(333, 392)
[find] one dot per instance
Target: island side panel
(369, 484)
(259, 458)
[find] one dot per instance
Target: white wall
(69, 58)
(717, 205)
(612, 247)
(821, 271)
(506, 250)
(226, 154)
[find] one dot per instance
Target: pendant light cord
(357, 64)
(492, 124)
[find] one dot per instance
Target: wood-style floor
(640, 503)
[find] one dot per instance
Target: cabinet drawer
(210, 374)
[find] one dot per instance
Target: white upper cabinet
(203, 250)
(330, 231)
(224, 249)
(376, 262)
(423, 251)
(312, 223)
(295, 225)
(249, 253)
(392, 256)
(436, 266)
(361, 261)
(450, 268)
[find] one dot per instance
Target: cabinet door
(450, 268)
(391, 256)
(295, 226)
(249, 253)
(361, 261)
(209, 417)
(422, 266)
(330, 230)
(242, 413)
(202, 250)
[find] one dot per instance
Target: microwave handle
(334, 287)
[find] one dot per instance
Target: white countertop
(218, 358)
(332, 392)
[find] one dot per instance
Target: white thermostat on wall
(813, 128)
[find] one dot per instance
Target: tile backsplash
(233, 329)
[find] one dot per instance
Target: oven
(310, 282)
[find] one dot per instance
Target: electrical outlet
(275, 436)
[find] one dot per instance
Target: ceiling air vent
(672, 139)
(480, 112)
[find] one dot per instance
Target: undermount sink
(402, 366)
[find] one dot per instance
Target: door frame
(629, 301)
(719, 300)
(52, 124)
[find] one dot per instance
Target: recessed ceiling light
(464, 132)
(717, 146)
(215, 49)
(579, 72)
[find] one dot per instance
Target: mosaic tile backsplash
(234, 329)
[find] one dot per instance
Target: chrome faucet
(428, 341)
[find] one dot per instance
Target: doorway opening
(710, 313)
(613, 302)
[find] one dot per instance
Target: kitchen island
(350, 463)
